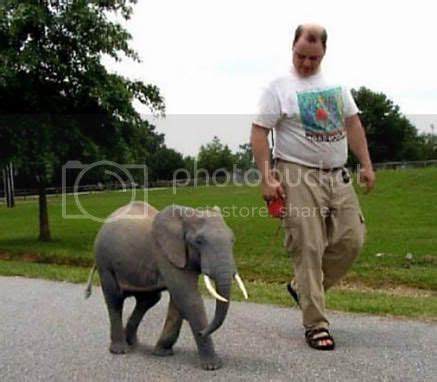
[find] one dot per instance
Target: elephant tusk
(212, 290)
(241, 285)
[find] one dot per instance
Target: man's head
(309, 47)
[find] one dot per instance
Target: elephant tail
(90, 281)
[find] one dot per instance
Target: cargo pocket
(289, 227)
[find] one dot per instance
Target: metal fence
(90, 188)
(404, 165)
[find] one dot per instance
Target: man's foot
(320, 339)
(293, 293)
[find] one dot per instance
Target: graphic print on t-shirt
(321, 114)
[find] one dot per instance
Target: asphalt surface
(48, 332)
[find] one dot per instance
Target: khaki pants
(324, 232)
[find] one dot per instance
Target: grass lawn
(422, 306)
(401, 217)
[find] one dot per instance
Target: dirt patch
(398, 290)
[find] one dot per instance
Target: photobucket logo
(78, 178)
(244, 212)
(291, 175)
(220, 177)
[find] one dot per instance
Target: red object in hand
(276, 208)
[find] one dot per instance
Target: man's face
(307, 57)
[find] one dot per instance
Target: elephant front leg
(208, 357)
(193, 310)
(170, 332)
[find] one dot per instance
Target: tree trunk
(8, 182)
(44, 228)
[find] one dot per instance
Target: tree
(57, 101)
(244, 157)
(215, 155)
(164, 163)
(428, 147)
(390, 135)
(189, 164)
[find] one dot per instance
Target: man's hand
(368, 177)
(358, 144)
(272, 189)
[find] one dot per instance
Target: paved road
(49, 332)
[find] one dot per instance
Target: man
(314, 121)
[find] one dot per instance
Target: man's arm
(271, 188)
(358, 144)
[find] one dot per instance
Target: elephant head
(200, 240)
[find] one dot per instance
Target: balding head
(309, 47)
(312, 33)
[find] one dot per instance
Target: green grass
(45, 271)
(375, 302)
(401, 216)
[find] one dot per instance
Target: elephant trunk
(223, 287)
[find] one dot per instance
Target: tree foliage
(215, 155)
(390, 135)
(57, 101)
(244, 158)
(164, 163)
(189, 165)
(428, 147)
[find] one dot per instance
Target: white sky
(212, 58)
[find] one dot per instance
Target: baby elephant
(140, 252)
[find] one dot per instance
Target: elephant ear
(168, 231)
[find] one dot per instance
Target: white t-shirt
(308, 116)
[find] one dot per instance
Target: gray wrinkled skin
(140, 252)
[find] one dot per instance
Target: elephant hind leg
(143, 303)
(170, 332)
(114, 301)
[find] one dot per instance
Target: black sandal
(313, 338)
(293, 294)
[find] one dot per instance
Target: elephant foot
(212, 363)
(119, 348)
(162, 352)
(132, 340)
